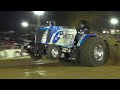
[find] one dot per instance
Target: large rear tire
(93, 52)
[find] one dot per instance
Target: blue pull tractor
(68, 45)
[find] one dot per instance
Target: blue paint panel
(56, 38)
(43, 28)
(86, 37)
(52, 29)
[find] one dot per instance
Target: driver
(83, 28)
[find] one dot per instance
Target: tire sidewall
(93, 61)
(49, 53)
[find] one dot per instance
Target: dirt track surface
(24, 69)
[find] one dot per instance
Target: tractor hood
(50, 28)
(59, 35)
(44, 33)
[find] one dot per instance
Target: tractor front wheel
(53, 52)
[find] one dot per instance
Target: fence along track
(12, 53)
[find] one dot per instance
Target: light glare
(24, 24)
(114, 21)
(38, 12)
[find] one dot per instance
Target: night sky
(11, 20)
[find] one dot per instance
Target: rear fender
(83, 38)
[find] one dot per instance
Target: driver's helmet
(83, 24)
